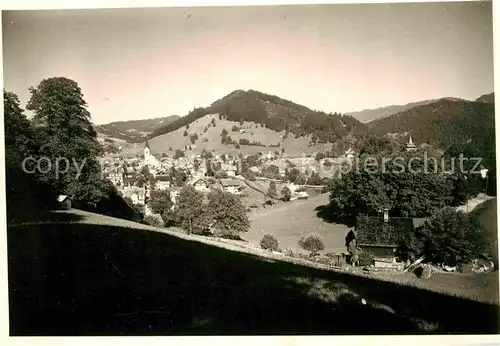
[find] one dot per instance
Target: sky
(154, 62)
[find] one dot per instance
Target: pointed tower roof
(410, 145)
(147, 145)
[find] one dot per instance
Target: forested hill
(488, 98)
(134, 130)
(443, 122)
(368, 115)
(276, 114)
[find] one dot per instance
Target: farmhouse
(231, 185)
(381, 236)
(200, 185)
(162, 182)
(136, 194)
(229, 169)
(64, 202)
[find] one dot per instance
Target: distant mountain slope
(134, 130)
(209, 139)
(443, 123)
(488, 98)
(276, 114)
(367, 115)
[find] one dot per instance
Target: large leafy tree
(160, 201)
(190, 210)
(415, 192)
(26, 196)
(19, 141)
(227, 214)
(62, 120)
(451, 237)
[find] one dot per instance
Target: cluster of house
(123, 173)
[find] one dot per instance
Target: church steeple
(410, 145)
(147, 145)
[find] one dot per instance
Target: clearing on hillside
(288, 222)
(211, 140)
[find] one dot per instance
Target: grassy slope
(176, 140)
(103, 276)
(486, 214)
(288, 222)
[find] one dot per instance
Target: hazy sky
(146, 63)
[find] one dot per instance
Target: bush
(312, 243)
(365, 260)
(152, 221)
(337, 260)
(269, 242)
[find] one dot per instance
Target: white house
(136, 194)
(162, 182)
(200, 185)
(231, 185)
(229, 169)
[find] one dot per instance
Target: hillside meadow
(211, 140)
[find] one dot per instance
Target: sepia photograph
(312, 169)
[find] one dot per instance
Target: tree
(190, 211)
(193, 138)
(312, 243)
(269, 242)
(320, 156)
(185, 134)
(178, 154)
(187, 127)
(286, 194)
(63, 122)
(315, 179)
(160, 201)
(227, 214)
(237, 146)
(19, 135)
(406, 193)
(272, 172)
(451, 237)
(224, 133)
(271, 192)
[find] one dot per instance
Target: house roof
(194, 181)
(130, 191)
(230, 182)
(162, 177)
(374, 231)
(62, 198)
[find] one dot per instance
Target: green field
(287, 222)
(177, 140)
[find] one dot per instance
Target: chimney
(386, 214)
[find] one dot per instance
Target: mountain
(274, 113)
(368, 115)
(134, 130)
(488, 98)
(444, 123)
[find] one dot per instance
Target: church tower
(410, 146)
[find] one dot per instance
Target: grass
(176, 140)
(288, 222)
(95, 275)
(486, 214)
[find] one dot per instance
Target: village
(136, 177)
